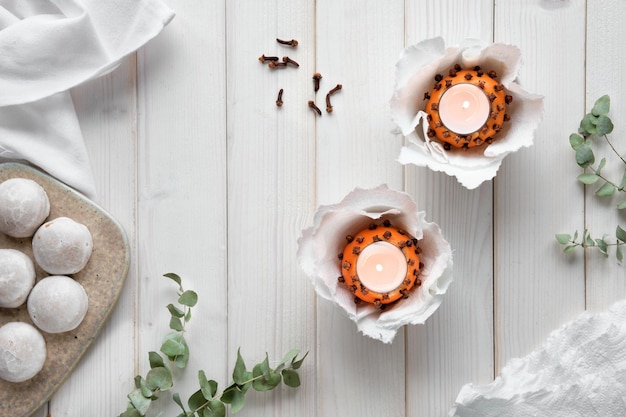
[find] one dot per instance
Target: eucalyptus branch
(596, 123)
(205, 402)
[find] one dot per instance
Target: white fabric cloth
(579, 372)
(48, 47)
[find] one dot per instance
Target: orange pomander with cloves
(489, 96)
(381, 264)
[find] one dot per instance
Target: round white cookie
(24, 206)
(62, 246)
(22, 352)
(17, 277)
(57, 304)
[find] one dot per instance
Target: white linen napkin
(48, 47)
(579, 372)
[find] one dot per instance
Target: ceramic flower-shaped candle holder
(461, 109)
(374, 255)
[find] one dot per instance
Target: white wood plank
(182, 188)
(271, 155)
(106, 109)
(606, 60)
(537, 287)
(455, 346)
(357, 45)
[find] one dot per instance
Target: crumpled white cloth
(579, 372)
(48, 47)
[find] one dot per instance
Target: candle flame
(379, 267)
(466, 104)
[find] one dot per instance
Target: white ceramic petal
(415, 72)
(320, 244)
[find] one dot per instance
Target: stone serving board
(102, 278)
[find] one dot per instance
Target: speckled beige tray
(102, 278)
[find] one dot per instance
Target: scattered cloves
(316, 81)
(279, 100)
(265, 59)
(293, 43)
(315, 108)
(288, 60)
(276, 64)
(329, 107)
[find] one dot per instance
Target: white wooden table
(212, 181)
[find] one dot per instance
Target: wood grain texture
(606, 279)
(211, 180)
(181, 192)
(106, 108)
(271, 186)
(357, 45)
(455, 345)
(536, 287)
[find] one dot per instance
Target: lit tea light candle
(464, 108)
(381, 267)
(380, 264)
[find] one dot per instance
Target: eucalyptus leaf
(130, 413)
(602, 246)
(188, 298)
(620, 234)
(146, 391)
(296, 364)
(291, 378)
(575, 140)
(588, 125)
(155, 360)
(159, 378)
(601, 166)
(588, 178)
(235, 398)
(622, 184)
(264, 383)
(240, 374)
(601, 106)
(604, 125)
(291, 355)
(209, 388)
(177, 400)
(196, 401)
(175, 311)
(175, 278)
(618, 253)
(569, 248)
(215, 409)
(622, 205)
(606, 190)
(173, 345)
(176, 324)
(140, 402)
(584, 155)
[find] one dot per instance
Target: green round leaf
(188, 298)
(155, 360)
(215, 409)
(160, 378)
(622, 205)
(140, 402)
(176, 324)
(575, 140)
(235, 398)
(620, 234)
(601, 106)
(569, 248)
(604, 125)
(588, 125)
(291, 378)
(606, 190)
(563, 238)
(584, 155)
(588, 178)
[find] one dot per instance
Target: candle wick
(466, 104)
